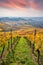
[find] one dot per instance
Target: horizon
(22, 17)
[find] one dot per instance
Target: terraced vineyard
(19, 51)
(21, 47)
(19, 54)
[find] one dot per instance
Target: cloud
(39, 4)
(20, 13)
(22, 4)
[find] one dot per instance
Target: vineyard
(21, 47)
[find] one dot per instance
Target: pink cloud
(22, 4)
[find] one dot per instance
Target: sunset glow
(25, 7)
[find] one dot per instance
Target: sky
(21, 8)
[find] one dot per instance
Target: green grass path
(22, 55)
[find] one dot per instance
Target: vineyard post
(38, 59)
(11, 38)
(34, 35)
(33, 48)
(34, 39)
(8, 45)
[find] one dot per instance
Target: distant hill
(20, 21)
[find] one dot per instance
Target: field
(21, 45)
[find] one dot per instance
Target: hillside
(19, 21)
